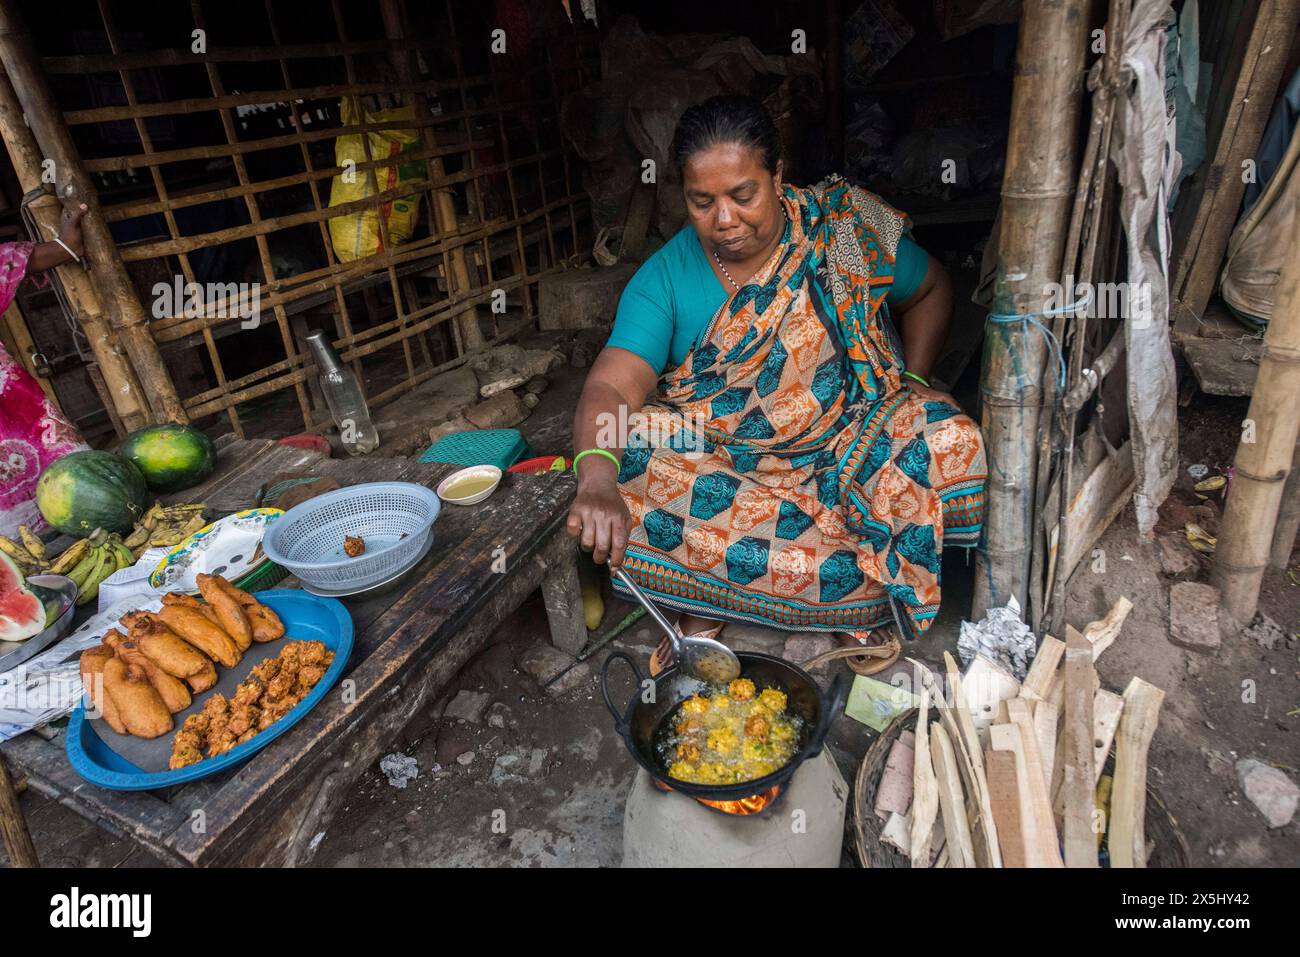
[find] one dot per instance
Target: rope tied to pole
(1035, 319)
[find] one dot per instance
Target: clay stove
(802, 825)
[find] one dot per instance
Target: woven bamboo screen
(216, 167)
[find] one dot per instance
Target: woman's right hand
(600, 520)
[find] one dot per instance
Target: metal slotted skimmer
(705, 658)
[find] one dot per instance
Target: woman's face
(734, 203)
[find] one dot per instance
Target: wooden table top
(393, 630)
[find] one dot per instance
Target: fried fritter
(198, 630)
(91, 666)
(140, 706)
(741, 689)
(229, 614)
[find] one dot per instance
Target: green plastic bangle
(605, 452)
(912, 375)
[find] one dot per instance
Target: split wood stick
(1106, 710)
(948, 718)
(1077, 757)
(986, 831)
(1128, 800)
(925, 796)
(1004, 796)
(1046, 718)
(1044, 824)
(1102, 633)
(952, 802)
(1006, 737)
(1037, 683)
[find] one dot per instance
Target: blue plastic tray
(306, 617)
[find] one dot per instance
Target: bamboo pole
(1261, 466)
(1036, 202)
(119, 378)
(1288, 515)
(110, 276)
(444, 209)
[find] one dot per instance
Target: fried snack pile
(729, 735)
(353, 545)
(140, 679)
(271, 690)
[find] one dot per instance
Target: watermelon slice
(22, 614)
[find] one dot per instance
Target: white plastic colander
(394, 518)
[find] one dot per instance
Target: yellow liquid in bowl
(470, 485)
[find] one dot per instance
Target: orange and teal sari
(784, 474)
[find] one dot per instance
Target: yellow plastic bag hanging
(356, 234)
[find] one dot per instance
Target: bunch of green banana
(96, 558)
(29, 553)
(165, 526)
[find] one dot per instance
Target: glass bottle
(343, 395)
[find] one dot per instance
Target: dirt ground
(537, 777)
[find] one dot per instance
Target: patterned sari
(783, 474)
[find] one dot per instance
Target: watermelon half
(22, 614)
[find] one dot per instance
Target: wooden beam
(1129, 796)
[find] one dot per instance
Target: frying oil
(712, 737)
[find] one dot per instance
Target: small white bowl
(474, 471)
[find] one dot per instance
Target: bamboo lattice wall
(216, 168)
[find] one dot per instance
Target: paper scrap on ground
(399, 769)
(1002, 637)
(877, 704)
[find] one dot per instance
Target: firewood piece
(986, 684)
(894, 793)
(1037, 684)
(1107, 708)
(1077, 757)
(952, 801)
(925, 796)
(1128, 800)
(985, 831)
(1004, 796)
(1043, 835)
(1101, 634)
(1046, 718)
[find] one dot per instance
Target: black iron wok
(639, 720)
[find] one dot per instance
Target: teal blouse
(671, 298)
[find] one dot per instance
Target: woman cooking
(793, 467)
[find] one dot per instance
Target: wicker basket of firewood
(1166, 844)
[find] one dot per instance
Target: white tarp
(1147, 164)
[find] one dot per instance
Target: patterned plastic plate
(230, 547)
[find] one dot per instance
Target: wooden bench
(409, 642)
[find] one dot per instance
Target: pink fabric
(33, 433)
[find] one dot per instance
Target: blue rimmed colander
(395, 519)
